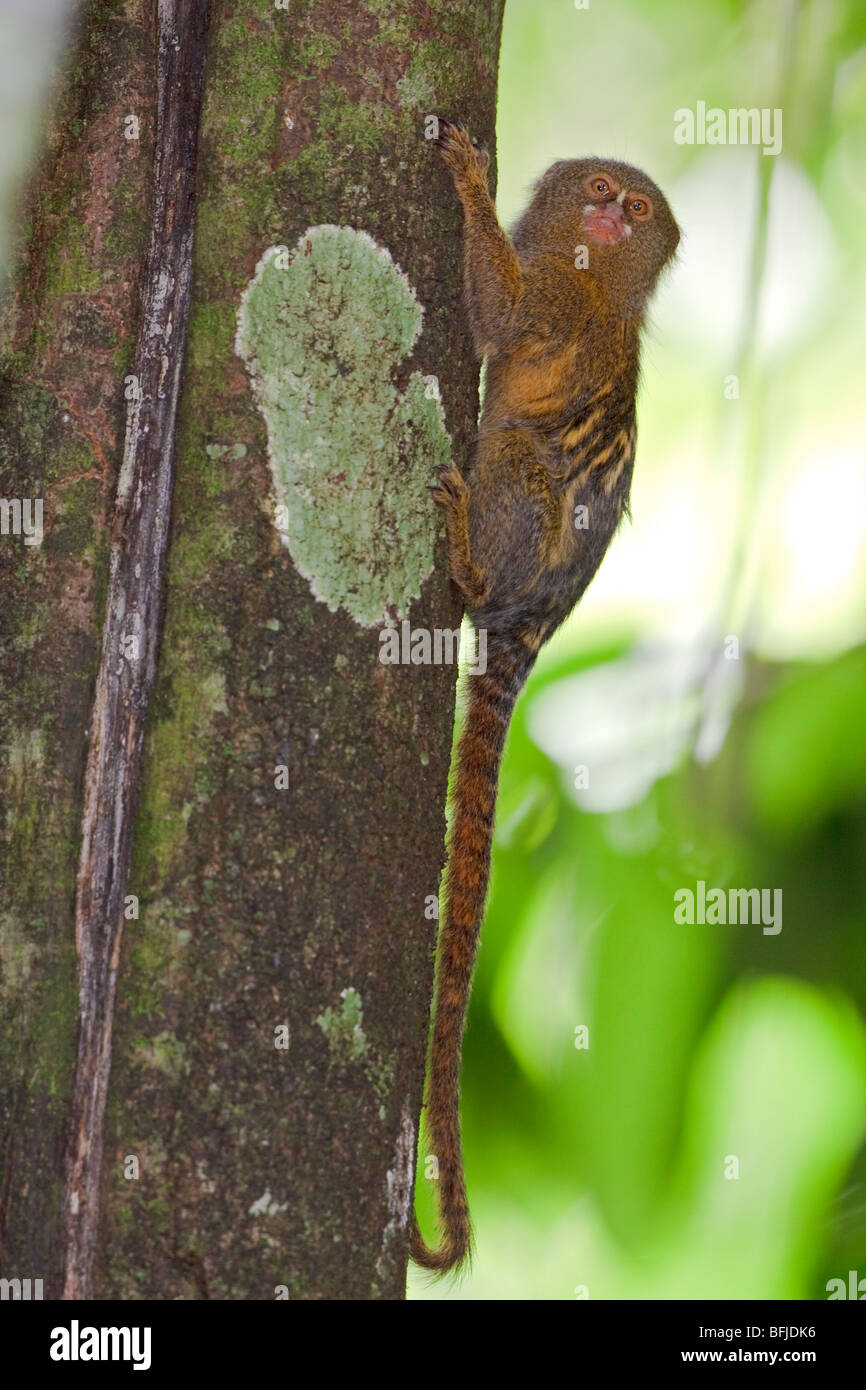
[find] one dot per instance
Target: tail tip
(452, 1257)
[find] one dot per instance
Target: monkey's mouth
(605, 223)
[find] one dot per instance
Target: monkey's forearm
(492, 280)
(492, 277)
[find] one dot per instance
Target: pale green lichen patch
(343, 1027)
(321, 329)
(266, 1205)
(165, 1052)
(17, 956)
(232, 451)
(26, 758)
(415, 91)
(198, 696)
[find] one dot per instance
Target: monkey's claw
(460, 153)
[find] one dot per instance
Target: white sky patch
(628, 722)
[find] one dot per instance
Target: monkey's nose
(605, 223)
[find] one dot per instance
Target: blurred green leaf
(806, 752)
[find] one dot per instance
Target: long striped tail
(491, 700)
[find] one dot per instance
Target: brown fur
(558, 431)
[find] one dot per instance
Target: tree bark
(274, 931)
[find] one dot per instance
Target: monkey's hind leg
(453, 494)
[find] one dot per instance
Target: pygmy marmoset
(557, 311)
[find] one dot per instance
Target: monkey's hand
(467, 161)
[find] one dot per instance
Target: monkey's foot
(453, 494)
(459, 151)
(451, 490)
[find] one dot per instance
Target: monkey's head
(613, 210)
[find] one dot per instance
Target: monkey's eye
(599, 186)
(640, 207)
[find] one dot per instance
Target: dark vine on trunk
(131, 631)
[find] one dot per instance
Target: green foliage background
(710, 691)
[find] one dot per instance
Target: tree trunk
(253, 991)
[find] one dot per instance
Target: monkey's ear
(554, 172)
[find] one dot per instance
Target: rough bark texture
(259, 1166)
(133, 616)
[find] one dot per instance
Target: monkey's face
(624, 211)
(612, 213)
(613, 209)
